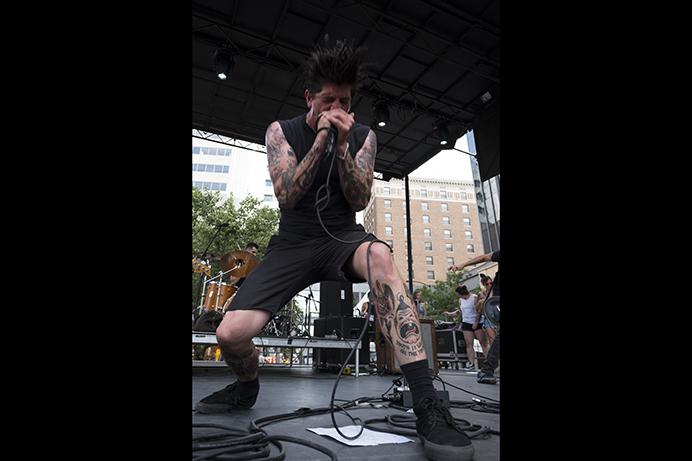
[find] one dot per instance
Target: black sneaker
(442, 438)
(486, 378)
(225, 400)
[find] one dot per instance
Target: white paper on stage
(366, 439)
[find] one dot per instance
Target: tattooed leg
(234, 336)
(398, 320)
(393, 303)
(244, 363)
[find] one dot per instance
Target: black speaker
(325, 326)
(446, 339)
(347, 328)
(336, 298)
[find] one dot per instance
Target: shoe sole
(211, 408)
(437, 452)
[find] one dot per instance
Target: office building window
(388, 217)
(444, 207)
(426, 219)
(450, 261)
(469, 248)
(429, 260)
(268, 198)
(388, 230)
(463, 195)
(423, 193)
(387, 203)
(424, 206)
(443, 194)
(205, 185)
(448, 233)
(387, 190)
(428, 246)
(449, 247)
(431, 275)
(268, 182)
(445, 220)
(210, 168)
(467, 221)
(468, 235)
(464, 208)
(426, 232)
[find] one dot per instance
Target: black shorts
(465, 326)
(290, 265)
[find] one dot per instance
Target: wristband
(323, 128)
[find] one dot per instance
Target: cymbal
(243, 262)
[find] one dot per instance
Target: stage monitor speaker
(336, 298)
(385, 354)
(447, 338)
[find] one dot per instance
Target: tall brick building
(444, 224)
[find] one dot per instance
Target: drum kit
(218, 294)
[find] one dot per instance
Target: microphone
(331, 142)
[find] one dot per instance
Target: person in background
(487, 373)
(420, 305)
(470, 326)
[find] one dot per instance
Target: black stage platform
(284, 390)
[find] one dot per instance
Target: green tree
(441, 296)
(249, 222)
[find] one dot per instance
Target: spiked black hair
(338, 64)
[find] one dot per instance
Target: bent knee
(232, 333)
(381, 258)
(239, 327)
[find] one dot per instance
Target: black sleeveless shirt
(301, 221)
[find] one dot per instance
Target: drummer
(251, 247)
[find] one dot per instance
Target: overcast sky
(448, 164)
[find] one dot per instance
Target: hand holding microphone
(340, 124)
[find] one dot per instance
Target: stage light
(223, 63)
(442, 130)
(381, 113)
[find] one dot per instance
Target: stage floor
(285, 389)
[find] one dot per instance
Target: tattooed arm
(355, 174)
(291, 179)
